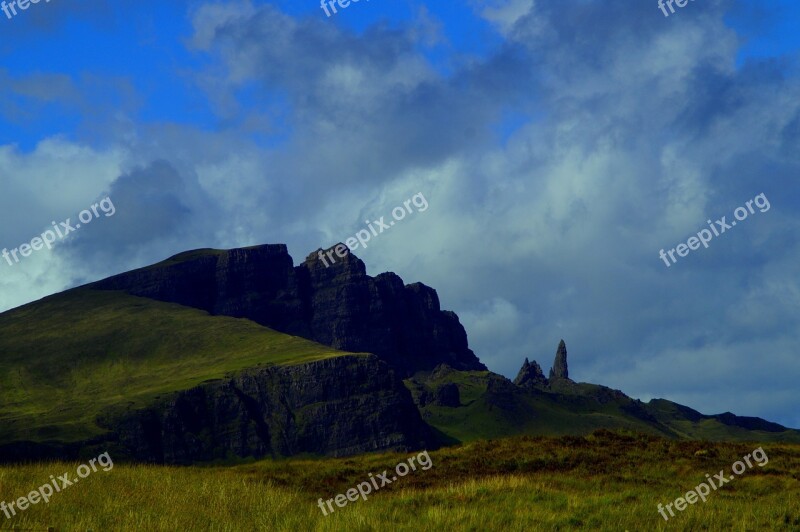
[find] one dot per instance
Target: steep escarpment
(338, 406)
(339, 305)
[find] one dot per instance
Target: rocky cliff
(337, 406)
(340, 305)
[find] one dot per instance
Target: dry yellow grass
(603, 482)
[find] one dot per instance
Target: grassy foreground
(606, 481)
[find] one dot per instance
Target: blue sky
(145, 46)
(561, 145)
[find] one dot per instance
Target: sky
(560, 145)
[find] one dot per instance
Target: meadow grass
(606, 481)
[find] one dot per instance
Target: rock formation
(530, 374)
(447, 395)
(441, 371)
(559, 369)
(339, 306)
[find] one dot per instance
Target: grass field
(606, 481)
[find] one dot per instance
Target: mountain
(90, 371)
(339, 306)
(218, 354)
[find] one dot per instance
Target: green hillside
(67, 358)
(492, 407)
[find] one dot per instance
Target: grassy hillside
(66, 358)
(505, 410)
(601, 482)
(500, 412)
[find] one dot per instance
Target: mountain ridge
(185, 361)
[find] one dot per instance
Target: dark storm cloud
(155, 210)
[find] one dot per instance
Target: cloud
(54, 181)
(557, 165)
(49, 18)
(495, 322)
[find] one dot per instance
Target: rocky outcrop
(440, 372)
(447, 395)
(530, 374)
(339, 406)
(339, 305)
(501, 393)
(559, 369)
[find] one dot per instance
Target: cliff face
(340, 306)
(339, 406)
